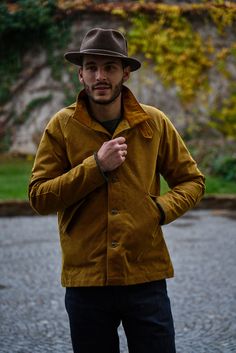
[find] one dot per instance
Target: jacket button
(114, 211)
(114, 244)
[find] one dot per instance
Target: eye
(110, 67)
(91, 68)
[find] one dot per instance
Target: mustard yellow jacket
(110, 231)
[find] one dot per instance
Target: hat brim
(76, 58)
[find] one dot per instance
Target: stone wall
(37, 82)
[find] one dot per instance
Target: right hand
(112, 154)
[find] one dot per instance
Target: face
(102, 78)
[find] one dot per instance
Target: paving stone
(203, 293)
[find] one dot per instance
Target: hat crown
(105, 42)
(104, 39)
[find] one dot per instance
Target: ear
(126, 73)
(80, 75)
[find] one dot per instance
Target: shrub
(225, 166)
(29, 23)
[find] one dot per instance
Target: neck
(105, 112)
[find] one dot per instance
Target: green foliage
(32, 23)
(182, 58)
(218, 185)
(14, 178)
(73, 86)
(216, 157)
(5, 141)
(179, 55)
(222, 17)
(15, 174)
(17, 120)
(225, 167)
(223, 117)
(21, 19)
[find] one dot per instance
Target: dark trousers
(144, 310)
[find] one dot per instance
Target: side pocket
(159, 208)
(65, 217)
(151, 238)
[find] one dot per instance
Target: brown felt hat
(105, 42)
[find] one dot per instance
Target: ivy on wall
(182, 57)
(223, 116)
(163, 33)
(24, 25)
(178, 53)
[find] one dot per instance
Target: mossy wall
(188, 53)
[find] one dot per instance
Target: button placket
(114, 240)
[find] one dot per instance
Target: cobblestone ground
(202, 245)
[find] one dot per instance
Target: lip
(101, 88)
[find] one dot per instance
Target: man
(98, 165)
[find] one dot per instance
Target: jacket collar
(133, 113)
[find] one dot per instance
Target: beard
(116, 92)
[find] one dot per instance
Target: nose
(100, 74)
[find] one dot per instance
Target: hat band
(103, 52)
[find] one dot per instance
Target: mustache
(106, 85)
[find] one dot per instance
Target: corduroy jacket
(110, 230)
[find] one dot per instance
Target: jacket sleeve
(175, 164)
(54, 185)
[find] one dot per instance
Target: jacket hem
(116, 281)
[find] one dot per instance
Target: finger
(123, 147)
(123, 153)
(120, 140)
(118, 147)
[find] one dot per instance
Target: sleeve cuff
(99, 167)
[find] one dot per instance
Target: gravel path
(203, 293)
